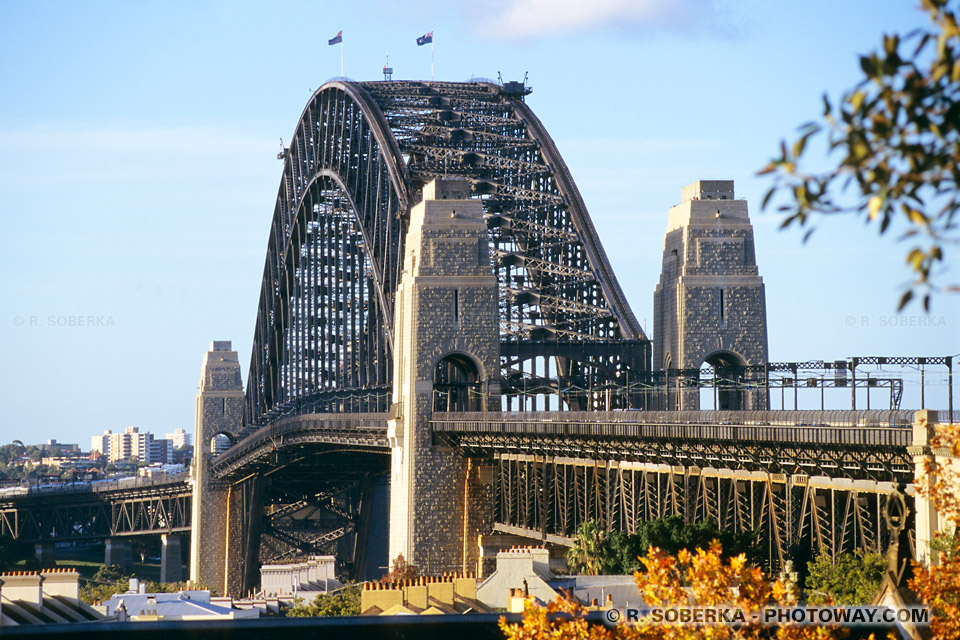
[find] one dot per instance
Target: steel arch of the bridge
(359, 156)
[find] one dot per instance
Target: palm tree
(588, 553)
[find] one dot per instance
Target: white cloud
(514, 19)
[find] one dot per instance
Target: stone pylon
(710, 305)
(446, 358)
(219, 410)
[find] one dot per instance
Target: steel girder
(875, 453)
(94, 515)
(549, 498)
(357, 160)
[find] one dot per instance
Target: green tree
(616, 552)
(946, 546)
(590, 553)
(897, 134)
(145, 546)
(105, 582)
(853, 579)
(345, 602)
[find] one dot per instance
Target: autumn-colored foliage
(939, 586)
(701, 578)
(705, 579)
(402, 570)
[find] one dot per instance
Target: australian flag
(337, 39)
(426, 38)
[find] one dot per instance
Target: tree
(144, 547)
(589, 554)
(853, 579)
(345, 602)
(402, 570)
(105, 582)
(617, 552)
(701, 578)
(898, 136)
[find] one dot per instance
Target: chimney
(23, 585)
(62, 582)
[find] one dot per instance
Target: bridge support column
(927, 518)
(446, 355)
(243, 514)
(45, 554)
(171, 558)
(219, 409)
(117, 552)
(360, 541)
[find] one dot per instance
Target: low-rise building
(183, 605)
(51, 596)
(523, 572)
(310, 577)
(434, 595)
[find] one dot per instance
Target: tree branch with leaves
(898, 137)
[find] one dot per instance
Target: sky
(138, 169)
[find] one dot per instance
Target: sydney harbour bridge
(324, 342)
(356, 164)
(575, 421)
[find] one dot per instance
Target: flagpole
(341, 58)
(431, 59)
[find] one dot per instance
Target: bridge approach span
(96, 511)
(857, 445)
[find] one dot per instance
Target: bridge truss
(358, 159)
(84, 514)
(799, 481)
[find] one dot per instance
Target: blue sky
(138, 147)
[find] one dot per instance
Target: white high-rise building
(133, 444)
(180, 438)
(101, 443)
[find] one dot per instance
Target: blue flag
(427, 38)
(337, 39)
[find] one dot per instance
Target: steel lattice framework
(358, 159)
(84, 514)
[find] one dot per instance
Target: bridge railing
(822, 418)
(882, 437)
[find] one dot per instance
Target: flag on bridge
(337, 39)
(426, 38)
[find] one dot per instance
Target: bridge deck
(365, 431)
(857, 445)
(844, 428)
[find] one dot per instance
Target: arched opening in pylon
(456, 384)
(727, 372)
(221, 441)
